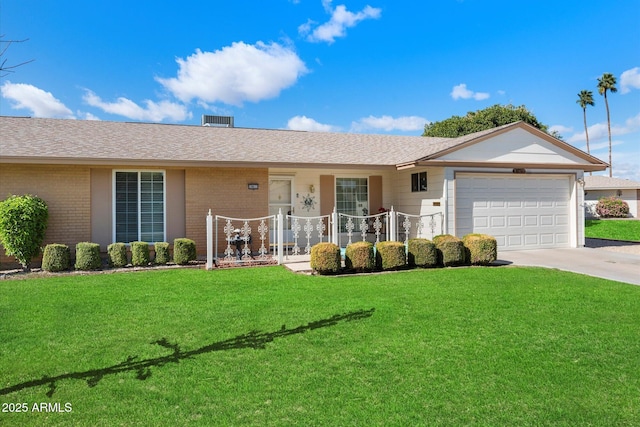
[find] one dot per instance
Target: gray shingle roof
(598, 182)
(100, 142)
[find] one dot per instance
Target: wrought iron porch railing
(426, 226)
(315, 228)
(277, 232)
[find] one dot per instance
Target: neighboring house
(597, 187)
(117, 181)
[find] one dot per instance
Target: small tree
(23, 222)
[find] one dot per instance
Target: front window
(139, 208)
(419, 181)
(352, 196)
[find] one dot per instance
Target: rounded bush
(481, 249)
(325, 258)
(117, 253)
(390, 256)
(450, 250)
(612, 207)
(162, 253)
(56, 257)
(140, 254)
(359, 257)
(422, 253)
(23, 222)
(184, 251)
(88, 256)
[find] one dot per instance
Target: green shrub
(117, 255)
(422, 253)
(56, 257)
(325, 258)
(480, 249)
(390, 256)
(184, 250)
(162, 253)
(359, 257)
(88, 256)
(612, 207)
(23, 222)
(450, 250)
(140, 254)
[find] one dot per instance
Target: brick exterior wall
(67, 191)
(67, 197)
(225, 192)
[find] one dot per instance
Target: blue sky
(375, 66)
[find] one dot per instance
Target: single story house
(597, 187)
(117, 181)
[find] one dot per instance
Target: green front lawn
(613, 229)
(263, 346)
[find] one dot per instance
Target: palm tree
(607, 83)
(585, 97)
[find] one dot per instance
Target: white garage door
(521, 212)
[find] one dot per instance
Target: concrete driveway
(619, 266)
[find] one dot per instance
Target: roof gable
(515, 144)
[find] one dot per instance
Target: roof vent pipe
(222, 121)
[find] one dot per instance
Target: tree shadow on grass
(142, 368)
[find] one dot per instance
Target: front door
(281, 195)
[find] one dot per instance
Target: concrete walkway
(622, 267)
(298, 263)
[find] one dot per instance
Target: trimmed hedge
(56, 257)
(325, 258)
(481, 249)
(140, 254)
(184, 250)
(88, 256)
(450, 250)
(390, 256)
(422, 253)
(117, 253)
(23, 222)
(161, 250)
(612, 207)
(359, 256)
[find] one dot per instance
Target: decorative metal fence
(265, 238)
(316, 229)
(238, 238)
(374, 228)
(426, 226)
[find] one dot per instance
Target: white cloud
(88, 116)
(560, 129)
(153, 111)
(461, 92)
(41, 103)
(237, 73)
(598, 146)
(388, 123)
(600, 130)
(624, 166)
(630, 79)
(340, 20)
(308, 124)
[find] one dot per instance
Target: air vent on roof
(224, 121)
